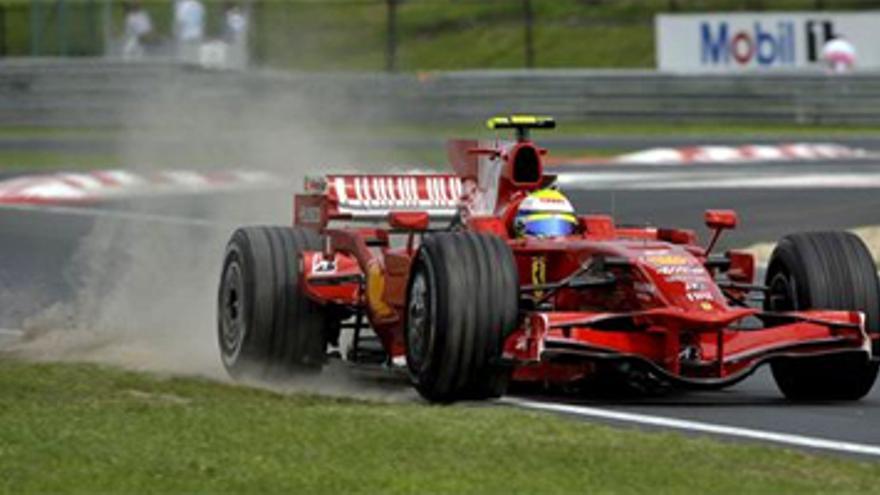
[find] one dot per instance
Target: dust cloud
(145, 292)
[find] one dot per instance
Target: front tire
(824, 270)
(462, 301)
(266, 324)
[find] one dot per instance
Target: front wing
(693, 349)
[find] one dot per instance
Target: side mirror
(409, 220)
(718, 221)
(721, 219)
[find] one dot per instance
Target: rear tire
(266, 324)
(462, 302)
(824, 270)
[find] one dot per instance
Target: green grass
(72, 428)
(221, 155)
(478, 128)
(36, 159)
(51, 161)
(574, 129)
(24, 131)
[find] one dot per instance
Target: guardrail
(100, 93)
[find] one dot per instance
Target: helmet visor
(544, 225)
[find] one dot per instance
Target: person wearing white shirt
(189, 27)
(235, 28)
(137, 25)
(236, 22)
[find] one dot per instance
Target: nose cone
(682, 281)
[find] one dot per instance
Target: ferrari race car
(427, 272)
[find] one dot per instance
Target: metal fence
(97, 93)
(373, 35)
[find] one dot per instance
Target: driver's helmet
(545, 213)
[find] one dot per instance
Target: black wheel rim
(781, 293)
(419, 322)
(232, 321)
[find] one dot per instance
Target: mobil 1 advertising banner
(773, 41)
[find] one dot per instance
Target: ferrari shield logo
(539, 273)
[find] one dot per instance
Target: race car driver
(544, 213)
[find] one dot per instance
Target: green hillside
(429, 34)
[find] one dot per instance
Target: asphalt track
(38, 245)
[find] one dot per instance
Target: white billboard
(732, 42)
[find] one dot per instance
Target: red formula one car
(433, 267)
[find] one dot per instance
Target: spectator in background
(189, 28)
(839, 55)
(137, 26)
(235, 25)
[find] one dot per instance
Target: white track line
(697, 426)
(11, 332)
(114, 214)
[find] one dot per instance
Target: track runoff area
(772, 198)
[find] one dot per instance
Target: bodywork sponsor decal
(321, 266)
(539, 273)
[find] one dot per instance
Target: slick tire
(266, 324)
(824, 270)
(462, 301)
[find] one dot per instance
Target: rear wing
(371, 198)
